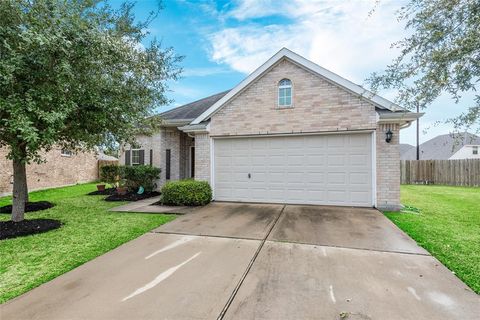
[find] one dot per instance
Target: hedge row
(130, 176)
(186, 193)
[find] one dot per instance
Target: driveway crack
(250, 264)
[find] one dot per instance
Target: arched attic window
(285, 93)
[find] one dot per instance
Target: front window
(135, 156)
(285, 93)
(475, 149)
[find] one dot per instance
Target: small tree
(111, 174)
(74, 74)
(440, 55)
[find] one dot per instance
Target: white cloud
(203, 72)
(185, 92)
(338, 35)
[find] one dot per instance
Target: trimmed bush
(111, 174)
(144, 175)
(186, 193)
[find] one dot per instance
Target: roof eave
(175, 122)
(401, 118)
(195, 128)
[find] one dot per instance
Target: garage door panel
(312, 169)
(277, 195)
(359, 178)
(314, 159)
(337, 196)
(259, 160)
(336, 160)
(293, 143)
(359, 196)
(241, 160)
(336, 178)
(315, 178)
(258, 176)
(359, 159)
(335, 141)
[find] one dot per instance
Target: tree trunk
(20, 190)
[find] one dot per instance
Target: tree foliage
(74, 73)
(440, 55)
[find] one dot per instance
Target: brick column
(388, 168)
(202, 157)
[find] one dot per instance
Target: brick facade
(318, 105)
(57, 171)
(202, 157)
(167, 138)
(388, 168)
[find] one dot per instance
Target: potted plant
(100, 187)
(122, 188)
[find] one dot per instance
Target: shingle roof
(441, 147)
(193, 109)
(404, 147)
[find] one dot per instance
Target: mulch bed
(132, 196)
(105, 192)
(29, 207)
(10, 229)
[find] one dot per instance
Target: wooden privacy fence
(465, 172)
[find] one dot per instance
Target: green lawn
(448, 226)
(89, 230)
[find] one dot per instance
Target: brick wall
(202, 157)
(146, 143)
(167, 138)
(185, 143)
(317, 106)
(388, 168)
(57, 171)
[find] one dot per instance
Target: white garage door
(311, 169)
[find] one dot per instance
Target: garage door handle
(249, 176)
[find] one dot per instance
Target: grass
(446, 222)
(89, 230)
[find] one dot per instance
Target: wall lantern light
(389, 135)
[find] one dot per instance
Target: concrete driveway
(258, 261)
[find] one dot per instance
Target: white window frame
(279, 87)
(66, 153)
(131, 157)
(475, 150)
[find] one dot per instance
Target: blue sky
(223, 41)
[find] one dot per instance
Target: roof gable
(284, 53)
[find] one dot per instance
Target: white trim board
(378, 101)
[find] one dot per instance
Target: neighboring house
(405, 147)
(445, 147)
(61, 167)
(291, 132)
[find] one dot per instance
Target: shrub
(144, 175)
(111, 174)
(186, 193)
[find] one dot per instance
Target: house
(291, 132)
(61, 168)
(404, 147)
(446, 147)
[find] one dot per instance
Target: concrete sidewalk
(148, 206)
